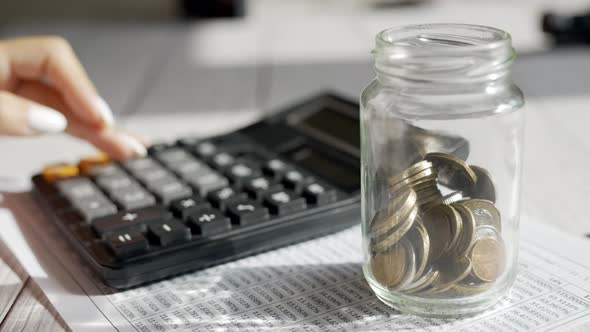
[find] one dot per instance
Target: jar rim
(469, 37)
(443, 53)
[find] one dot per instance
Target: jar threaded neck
(443, 54)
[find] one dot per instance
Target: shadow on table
(230, 297)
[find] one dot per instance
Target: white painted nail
(105, 111)
(134, 144)
(46, 120)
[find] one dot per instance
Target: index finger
(52, 60)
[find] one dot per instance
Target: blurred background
(177, 56)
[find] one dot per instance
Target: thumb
(22, 117)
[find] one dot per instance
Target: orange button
(86, 164)
(59, 171)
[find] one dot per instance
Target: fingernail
(134, 144)
(46, 120)
(105, 111)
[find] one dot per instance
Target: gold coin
(412, 170)
(397, 233)
(399, 209)
(488, 256)
(484, 212)
(453, 172)
(390, 268)
(451, 272)
(456, 229)
(437, 222)
(484, 187)
(422, 283)
(423, 176)
(467, 231)
(427, 198)
(418, 237)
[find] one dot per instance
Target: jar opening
(451, 53)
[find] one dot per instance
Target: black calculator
(195, 203)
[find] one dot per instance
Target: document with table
(316, 285)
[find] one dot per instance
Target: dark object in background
(567, 29)
(212, 8)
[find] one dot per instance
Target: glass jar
(441, 138)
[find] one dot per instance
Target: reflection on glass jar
(441, 141)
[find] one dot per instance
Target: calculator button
(208, 222)
(77, 188)
(152, 174)
(207, 182)
(257, 187)
(283, 202)
(130, 220)
(246, 212)
(274, 168)
(133, 197)
(318, 194)
(169, 232)
(140, 164)
(173, 156)
(294, 180)
(88, 163)
(105, 170)
(127, 244)
(205, 149)
(222, 160)
(190, 167)
(113, 183)
(169, 188)
(182, 208)
(220, 198)
(59, 171)
(96, 207)
(241, 171)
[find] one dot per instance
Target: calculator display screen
(333, 126)
(342, 175)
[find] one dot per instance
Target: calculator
(195, 203)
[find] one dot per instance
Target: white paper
(316, 285)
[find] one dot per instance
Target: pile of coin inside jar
(427, 243)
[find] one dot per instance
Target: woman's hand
(45, 89)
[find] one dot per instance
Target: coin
(484, 187)
(437, 222)
(425, 175)
(488, 256)
(452, 198)
(419, 239)
(399, 209)
(453, 172)
(422, 283)
(456, 223)
(391, 268)
(484, 212)
(411, 263)
(467, 231)
(451, 272)
(410, 171)
(396, 234)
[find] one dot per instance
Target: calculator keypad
(186, 192)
